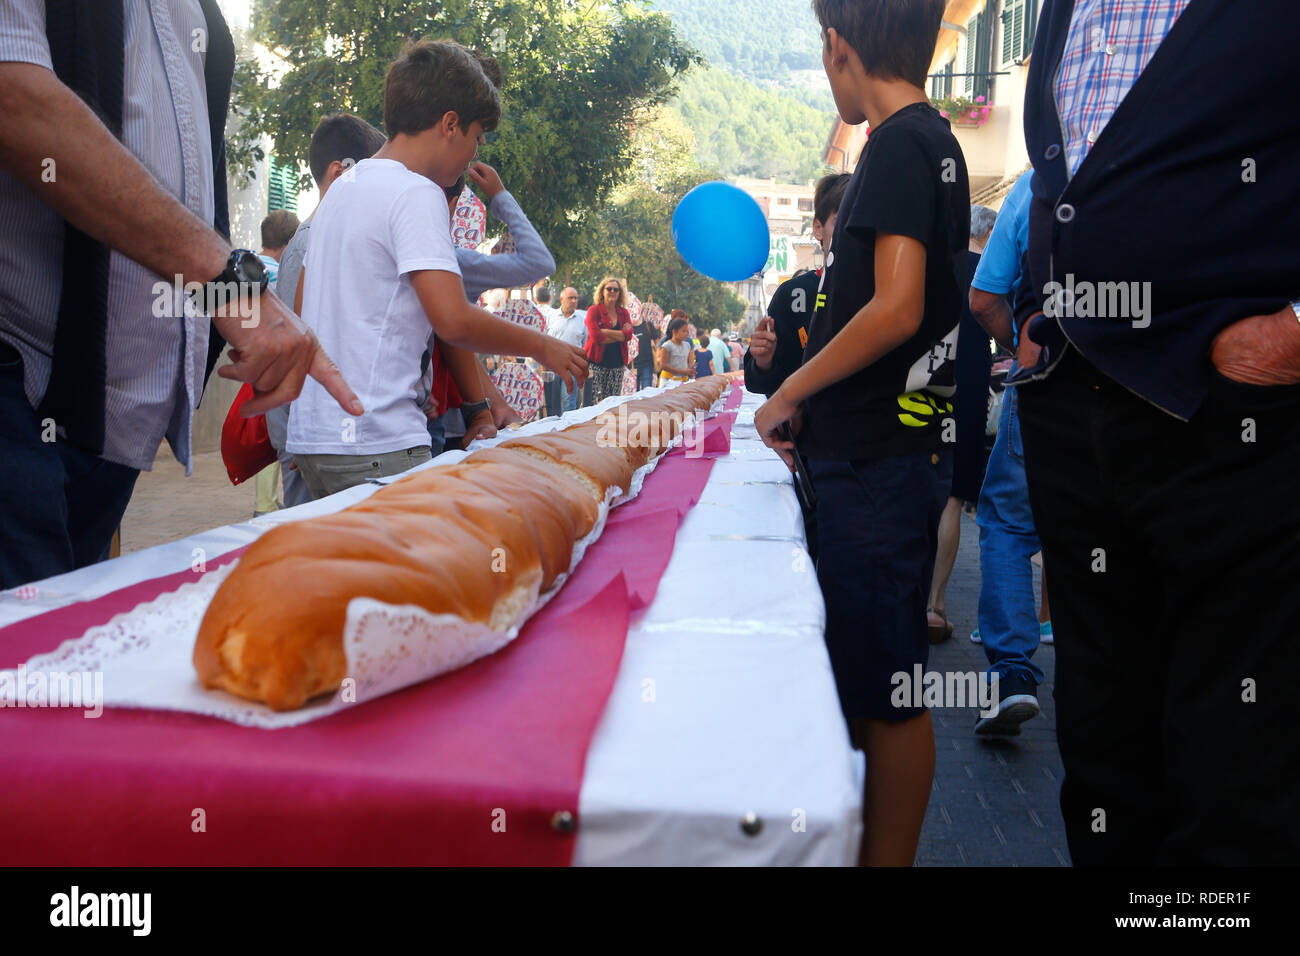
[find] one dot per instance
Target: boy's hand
(480, 426)
(762, 344)
(771, 415)
(567, 361)
(502, 413)
(485, 178)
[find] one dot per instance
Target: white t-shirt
(377, 224)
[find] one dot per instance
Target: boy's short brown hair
(828, 195)
(894, 39)
(278, 228)
(340, 137)
(432, 78)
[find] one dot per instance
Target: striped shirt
(1109, 44)
(155, 365)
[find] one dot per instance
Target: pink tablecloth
(477, 767)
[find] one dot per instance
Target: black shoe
(1017, 702)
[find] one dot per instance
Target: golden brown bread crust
(478, 540)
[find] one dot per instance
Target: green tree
(632, 237)
(575, 73)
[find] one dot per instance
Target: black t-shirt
(791, 308)
(911, 181)
(645, 345)
(612, 357)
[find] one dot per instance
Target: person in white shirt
(569, 325)
(381, 269)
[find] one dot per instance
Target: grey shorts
(329, 474)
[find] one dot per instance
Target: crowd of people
(1147, 455)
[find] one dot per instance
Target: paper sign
(505, 245)
(520, 386)
(522, 312)
(651, 313)
(633, 306)
(469, 224)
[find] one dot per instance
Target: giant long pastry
(479, 540)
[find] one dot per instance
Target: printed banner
(521, 387)
(650, 312)
(522, 312)
(469, 224)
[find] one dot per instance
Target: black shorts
(878, 527)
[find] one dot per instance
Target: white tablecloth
(724, 706)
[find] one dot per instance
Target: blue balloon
(721, 232)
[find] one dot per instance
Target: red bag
(245, 445)
(443, 391)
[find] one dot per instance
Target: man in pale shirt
(104, 225)
(569, 325)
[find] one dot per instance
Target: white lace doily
(146, 654)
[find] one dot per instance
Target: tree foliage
(575, 73)
(762, 40)
(744, 130)
(633, 238)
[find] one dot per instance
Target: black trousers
(1175, 556)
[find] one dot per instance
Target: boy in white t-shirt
(381, 269)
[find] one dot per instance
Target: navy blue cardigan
(1193, 186)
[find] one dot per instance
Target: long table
(722, 741)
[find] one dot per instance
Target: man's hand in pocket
(1260, 350)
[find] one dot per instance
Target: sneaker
(975, 637)
(1017, 702)
(1045, 633)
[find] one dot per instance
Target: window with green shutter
(1019, 17)
(979, 43)
(282, 186)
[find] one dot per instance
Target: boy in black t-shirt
(776, 347)
(873, 393)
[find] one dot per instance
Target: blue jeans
(437, 436)
(1007, 618)
(645, 375)
(569, 399)
(61, 504)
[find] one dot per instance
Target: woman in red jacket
(609, 327)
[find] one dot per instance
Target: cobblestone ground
(167, 506)
(994, 802)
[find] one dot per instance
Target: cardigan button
(1064, 212)
(1052, 151)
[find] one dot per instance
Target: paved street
(994, 803)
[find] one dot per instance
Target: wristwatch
(244, 270)
(472, 409)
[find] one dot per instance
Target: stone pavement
(995, 801)
(167, 506)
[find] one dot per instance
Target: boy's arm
(466, 326)
(469, 377)
(892, 317)
(530, 261)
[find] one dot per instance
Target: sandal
(938, 633)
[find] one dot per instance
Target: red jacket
(598, 319)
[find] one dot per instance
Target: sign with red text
(651, 313)
(520, 386)
(633, 306)
(522, 312)
(469, 223)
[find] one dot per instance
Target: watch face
(249, 267)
